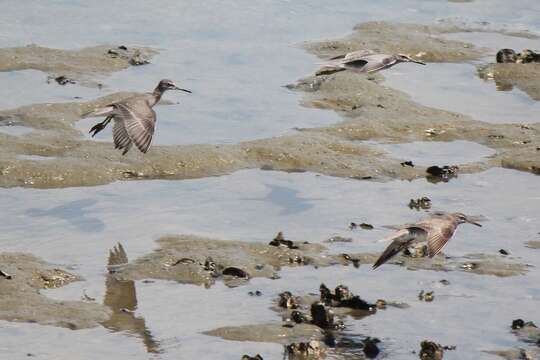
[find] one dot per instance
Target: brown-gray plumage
(436, 230)
(134, 118)
(363, 61)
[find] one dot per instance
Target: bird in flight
(134, 118)
(435, 230)
(363, 61)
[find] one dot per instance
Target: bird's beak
(418, 62)
(474, 223)
(186, 90)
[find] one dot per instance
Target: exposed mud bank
(425, 42)
(195, 260)
(81, 64)
(24, 277)
(384, 115)
(371, 111)
(525, 77)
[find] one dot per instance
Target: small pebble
(407, 163)
(426, 296)
(256, 357)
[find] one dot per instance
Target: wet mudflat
(307, 207)
(199, 278)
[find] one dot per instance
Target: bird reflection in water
(121, 298)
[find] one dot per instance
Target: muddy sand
(371, 112)
(24, 277)
(84, 65)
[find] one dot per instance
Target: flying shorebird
(363, 61)
(134, 118)
(436, 230)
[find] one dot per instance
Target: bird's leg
(100, 126)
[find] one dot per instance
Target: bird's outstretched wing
(121, 137)
(137, 121)
(357, 55)
(439, 236)
(373, 63)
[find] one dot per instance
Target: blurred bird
(363, 61)
(134, 118)
(436, 230)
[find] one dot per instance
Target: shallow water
(253, 205)
(428, 153)
(236, 57)
(43, 89)
(457, 88)
(15, 130)
(35, 157)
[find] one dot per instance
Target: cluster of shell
(524, 57)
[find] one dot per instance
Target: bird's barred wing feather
(121, 137)
(439, 236)
(357, 55)
(439, 230)
(138, 123)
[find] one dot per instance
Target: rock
(364, 226)
(444, 173)
(138, 59)
(528, 56)
(210, 266)
(431, 351)
(407, 163)
(236, 272)
(370, 348)
(426, 296)
(342, 297)
(256, 357)
(64, 80)
(506, 56)
(279, 240)
(299, 317)
(287, 300)
(420, 203)
(380, 304)
(517, 324)
(322, 316)
(417, 251)
(303, 350)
